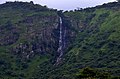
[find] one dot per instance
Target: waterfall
(62, 35)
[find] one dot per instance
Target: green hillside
(25, 29)
(29, 40)
(97, 44)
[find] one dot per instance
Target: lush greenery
(29, 36)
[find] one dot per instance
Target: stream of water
(62, 35)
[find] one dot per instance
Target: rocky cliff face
(9, 34)
(29, 35)
(39, 36)
(33, 32)
(36, 43)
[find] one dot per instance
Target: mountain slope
(29, 40)
(97, 43)
(25, 30)
(29, 35)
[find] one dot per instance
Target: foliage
(88, 73)
(29, 41)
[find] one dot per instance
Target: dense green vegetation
(29, 36)
(97, 42)
(25, 29)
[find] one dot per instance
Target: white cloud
(67, 4)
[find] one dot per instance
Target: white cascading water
(64, 38)
(61, 42)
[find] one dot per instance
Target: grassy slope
(11, 66)
(98, 46)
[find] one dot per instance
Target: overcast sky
(66, 4)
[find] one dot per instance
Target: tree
(31, 2)
(89, 73)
